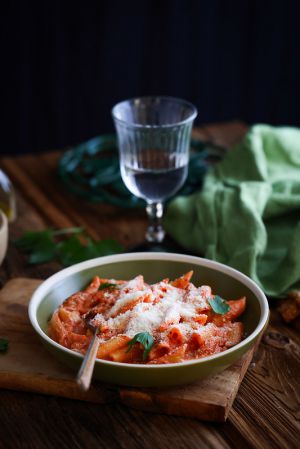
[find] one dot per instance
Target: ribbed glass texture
(153, 140)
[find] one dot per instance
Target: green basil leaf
(107, 247)
(71, 251)
(44, 246)
(32, 240)
(219, 305)
(43, 251)
(145, 339)
(3, 344)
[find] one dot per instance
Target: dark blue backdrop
(64, 65)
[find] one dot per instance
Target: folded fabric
(248, 212)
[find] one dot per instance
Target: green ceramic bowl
(226, 281)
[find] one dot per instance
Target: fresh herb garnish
(48, 245)
(219, 305)
(145, 339)
(3, 344)
(106, 285)
(39, 245)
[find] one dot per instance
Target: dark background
(65, 65)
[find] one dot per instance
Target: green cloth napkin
(248, 212)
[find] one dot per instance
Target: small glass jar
(7, 197)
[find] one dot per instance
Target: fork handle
(85, 373)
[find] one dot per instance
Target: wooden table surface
(266, 413)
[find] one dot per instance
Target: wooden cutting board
(28, 366)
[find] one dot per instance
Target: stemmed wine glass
(153, 139)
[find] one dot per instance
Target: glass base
(155, 235)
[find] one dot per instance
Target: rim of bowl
(45, 287)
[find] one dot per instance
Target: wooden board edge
(56, 387)
(157, 403)
(244, 368)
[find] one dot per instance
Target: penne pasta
(124, 356)
(174, 356)
(237, 307)
(176, 337)
(166, 322)
(93, 286)
(159, 350)
(183, 281)
(115, 343)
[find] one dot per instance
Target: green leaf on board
(3, 344)
(33, 239)
(68, 246)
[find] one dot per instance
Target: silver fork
(85, 372)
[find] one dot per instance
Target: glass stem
(155, 232)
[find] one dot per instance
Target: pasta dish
(166, 322)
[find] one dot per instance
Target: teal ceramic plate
(224, 280)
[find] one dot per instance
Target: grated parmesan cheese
(126, 299)
(167, 305)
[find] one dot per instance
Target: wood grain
(29, 367)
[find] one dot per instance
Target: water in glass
(157, 176)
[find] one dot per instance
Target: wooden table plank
(266, 412)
